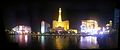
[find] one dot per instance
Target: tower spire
(59, 17)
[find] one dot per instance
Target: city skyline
(32, 13)
(50, 25)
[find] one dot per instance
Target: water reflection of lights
(23, 39)
(26, 38)
(43, 42)
(38, 38)
(58, 43)
(20, 38)
(42, 39)
(88, 42)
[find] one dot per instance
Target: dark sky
(32, 12)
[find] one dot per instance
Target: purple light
(100, 32)
(88, 42)
(83, 28)
(92, 31)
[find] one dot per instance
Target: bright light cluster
(22, 29)
(104, 31)
(90, 27)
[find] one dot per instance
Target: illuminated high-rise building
(60, 24)
(44, 27)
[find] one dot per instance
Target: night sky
(33, 12)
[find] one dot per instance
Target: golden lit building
(60, 23)
(109, 24)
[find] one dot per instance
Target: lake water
(55, 42)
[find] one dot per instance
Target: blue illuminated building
(116, 18)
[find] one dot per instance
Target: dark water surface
(55, 42)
